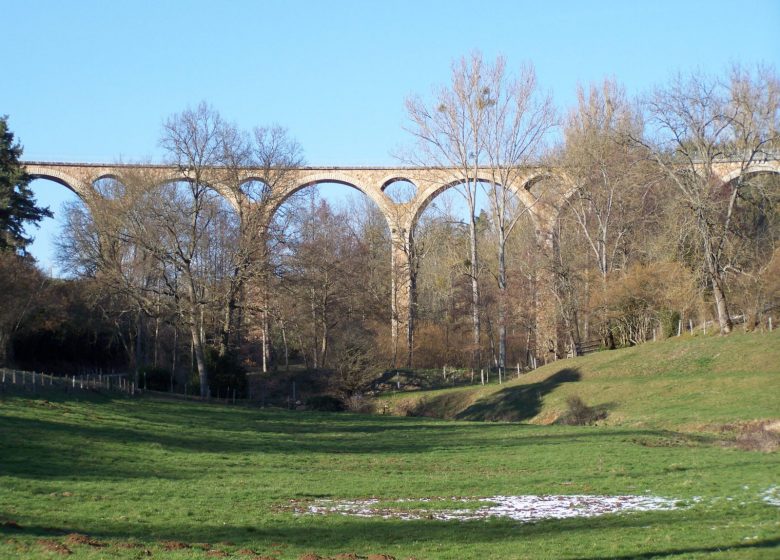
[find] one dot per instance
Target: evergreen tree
(17, 203)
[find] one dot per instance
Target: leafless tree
(611, 180)
(696, 124)
(451, 134)
(519, 118)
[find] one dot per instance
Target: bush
(670, 322)
(325, 403)
(579, 414)
(356, 370)
(361, 404)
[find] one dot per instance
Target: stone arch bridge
(543, 203)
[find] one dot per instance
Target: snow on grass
(772, 496)
(518, 508)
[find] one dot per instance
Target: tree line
(194, 285)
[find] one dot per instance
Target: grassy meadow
(686, 383)
(99, 477)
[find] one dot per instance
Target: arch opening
(49, 230)
(109, 186)
(255, 190)
(400, 190)
(329, 294)
(444, 302)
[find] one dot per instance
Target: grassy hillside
(97, 477)
(685, 382)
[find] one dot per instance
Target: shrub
(579, 414)
(361, 404)
(669, 321)
(325, 403)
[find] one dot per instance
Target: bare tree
(610, 178)
(276, 155)
(518, 120)
(485, 126)
(180, 214)
(451, 134)
(697, 124)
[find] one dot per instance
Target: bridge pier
(402, 298)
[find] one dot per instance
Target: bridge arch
(403, 196)
(760, 167)
(377, 196)
(520, 186)
(81, 189)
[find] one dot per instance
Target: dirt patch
(127, 545)
(758, 435)
(310, 556)
(78, 538)
(380, 557)
(174, 545)
(54, 546)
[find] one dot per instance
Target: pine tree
(17, 202)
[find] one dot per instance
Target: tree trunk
(314, 346)
(263, 343)
(609, 337)
(196, 331)
(227, 320)
(501, 299)
(156, 339)
(174, 352)
(724, 318)
(476, 355)
(412, 313)
(284, 343)
(200, 359)
(721, 305)
(139, 333)
(325, 332)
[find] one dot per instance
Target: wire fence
(33, 381)
(115, 383)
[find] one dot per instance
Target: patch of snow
(518, 508)
(772, 496)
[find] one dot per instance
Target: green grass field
(146, 478)
(681, 383)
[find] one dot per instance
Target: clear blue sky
(93, 80)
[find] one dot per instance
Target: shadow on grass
(137, 439)
(517, 403)
(741, 546)
(489, 538)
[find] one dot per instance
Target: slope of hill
(685, 382)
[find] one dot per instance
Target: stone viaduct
(542, 190)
